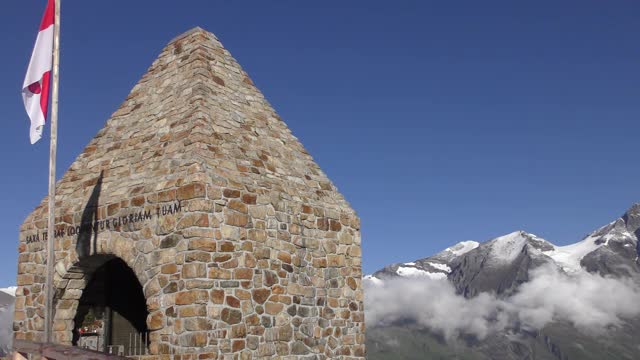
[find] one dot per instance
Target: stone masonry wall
(243, 247)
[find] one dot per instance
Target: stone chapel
(194, 225)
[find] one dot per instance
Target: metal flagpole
(48, 311)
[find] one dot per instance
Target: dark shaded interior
(114, 299)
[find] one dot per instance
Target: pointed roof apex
(194, 30)
(196, 113)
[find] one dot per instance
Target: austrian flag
(35, 90)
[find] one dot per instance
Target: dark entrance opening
(112, 312)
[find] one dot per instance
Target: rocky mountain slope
(7, 299)
(502, 269)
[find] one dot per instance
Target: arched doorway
(112, 311)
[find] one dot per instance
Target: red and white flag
(35, 90)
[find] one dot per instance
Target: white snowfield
(443, 267)
(505, 249)
(415, 272)
(462, 247)
(11, 290)
(570, 256)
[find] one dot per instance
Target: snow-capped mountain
(501, 268)
(499, 265)
(613, 249)
(437, 266)
(502, 263)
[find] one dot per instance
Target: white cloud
(589, 301)
(433, 304)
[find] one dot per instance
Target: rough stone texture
(242, 245)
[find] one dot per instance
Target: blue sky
(439, 121)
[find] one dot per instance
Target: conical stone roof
(195, 169)
(195, 107)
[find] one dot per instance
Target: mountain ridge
(502, 272)
(619, 236)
